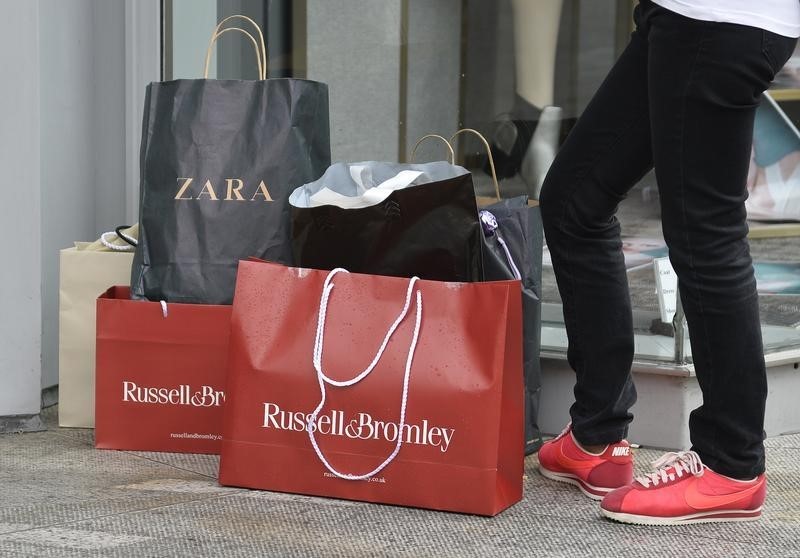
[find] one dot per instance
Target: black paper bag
(512, 249)
(218, 161)
(371, 221)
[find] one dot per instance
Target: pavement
(60, 497)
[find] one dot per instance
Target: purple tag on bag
(488, 222)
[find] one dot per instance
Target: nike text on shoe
(682, 490)
(562, 459)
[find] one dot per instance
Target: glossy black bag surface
(512, 249)
(218, 161)
(429, 230)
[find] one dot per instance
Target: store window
(521, 72)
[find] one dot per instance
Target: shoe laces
(564, 432)
(672, 466)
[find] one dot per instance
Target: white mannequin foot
(541, 150)
(776, 198)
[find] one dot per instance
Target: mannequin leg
(527, 142)
(535, 36)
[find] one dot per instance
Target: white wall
(73, 82)
(20, 299)
(82, 123)
(108, 100)
(67, 108)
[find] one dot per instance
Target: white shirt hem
(751, 19)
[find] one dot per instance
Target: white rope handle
(116, 247)
(322, 378)
(318, 343)
(514, 268)
(129, 239)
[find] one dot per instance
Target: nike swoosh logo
(700, 501)
(569, 463)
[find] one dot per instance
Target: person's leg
(605, 155)
(705, 83)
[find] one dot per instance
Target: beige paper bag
(87, 270)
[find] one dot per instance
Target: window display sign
(666, 289)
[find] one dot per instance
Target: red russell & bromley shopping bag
(373, 388)
(160, 374)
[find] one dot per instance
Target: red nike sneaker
(683, 490)
(596, 474)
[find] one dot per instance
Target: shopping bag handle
(124, 237)
(260, 46)
(130, 242)
(260, 36)
(488, 152)
(436, 136)
(216, 36)
(449, 145)
(323, 379)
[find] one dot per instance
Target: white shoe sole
(704, 517)
(593, 492)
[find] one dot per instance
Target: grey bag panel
(228, 137)
(520, 227)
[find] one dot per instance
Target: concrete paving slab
(60, 497)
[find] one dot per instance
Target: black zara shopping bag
(218, 161)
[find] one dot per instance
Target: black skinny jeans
(682, 97)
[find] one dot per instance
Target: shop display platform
(666, 395)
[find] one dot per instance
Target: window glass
(519, 71)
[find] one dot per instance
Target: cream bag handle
(260, 46)
(449, 144)
(488, 152)
(435, 136)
